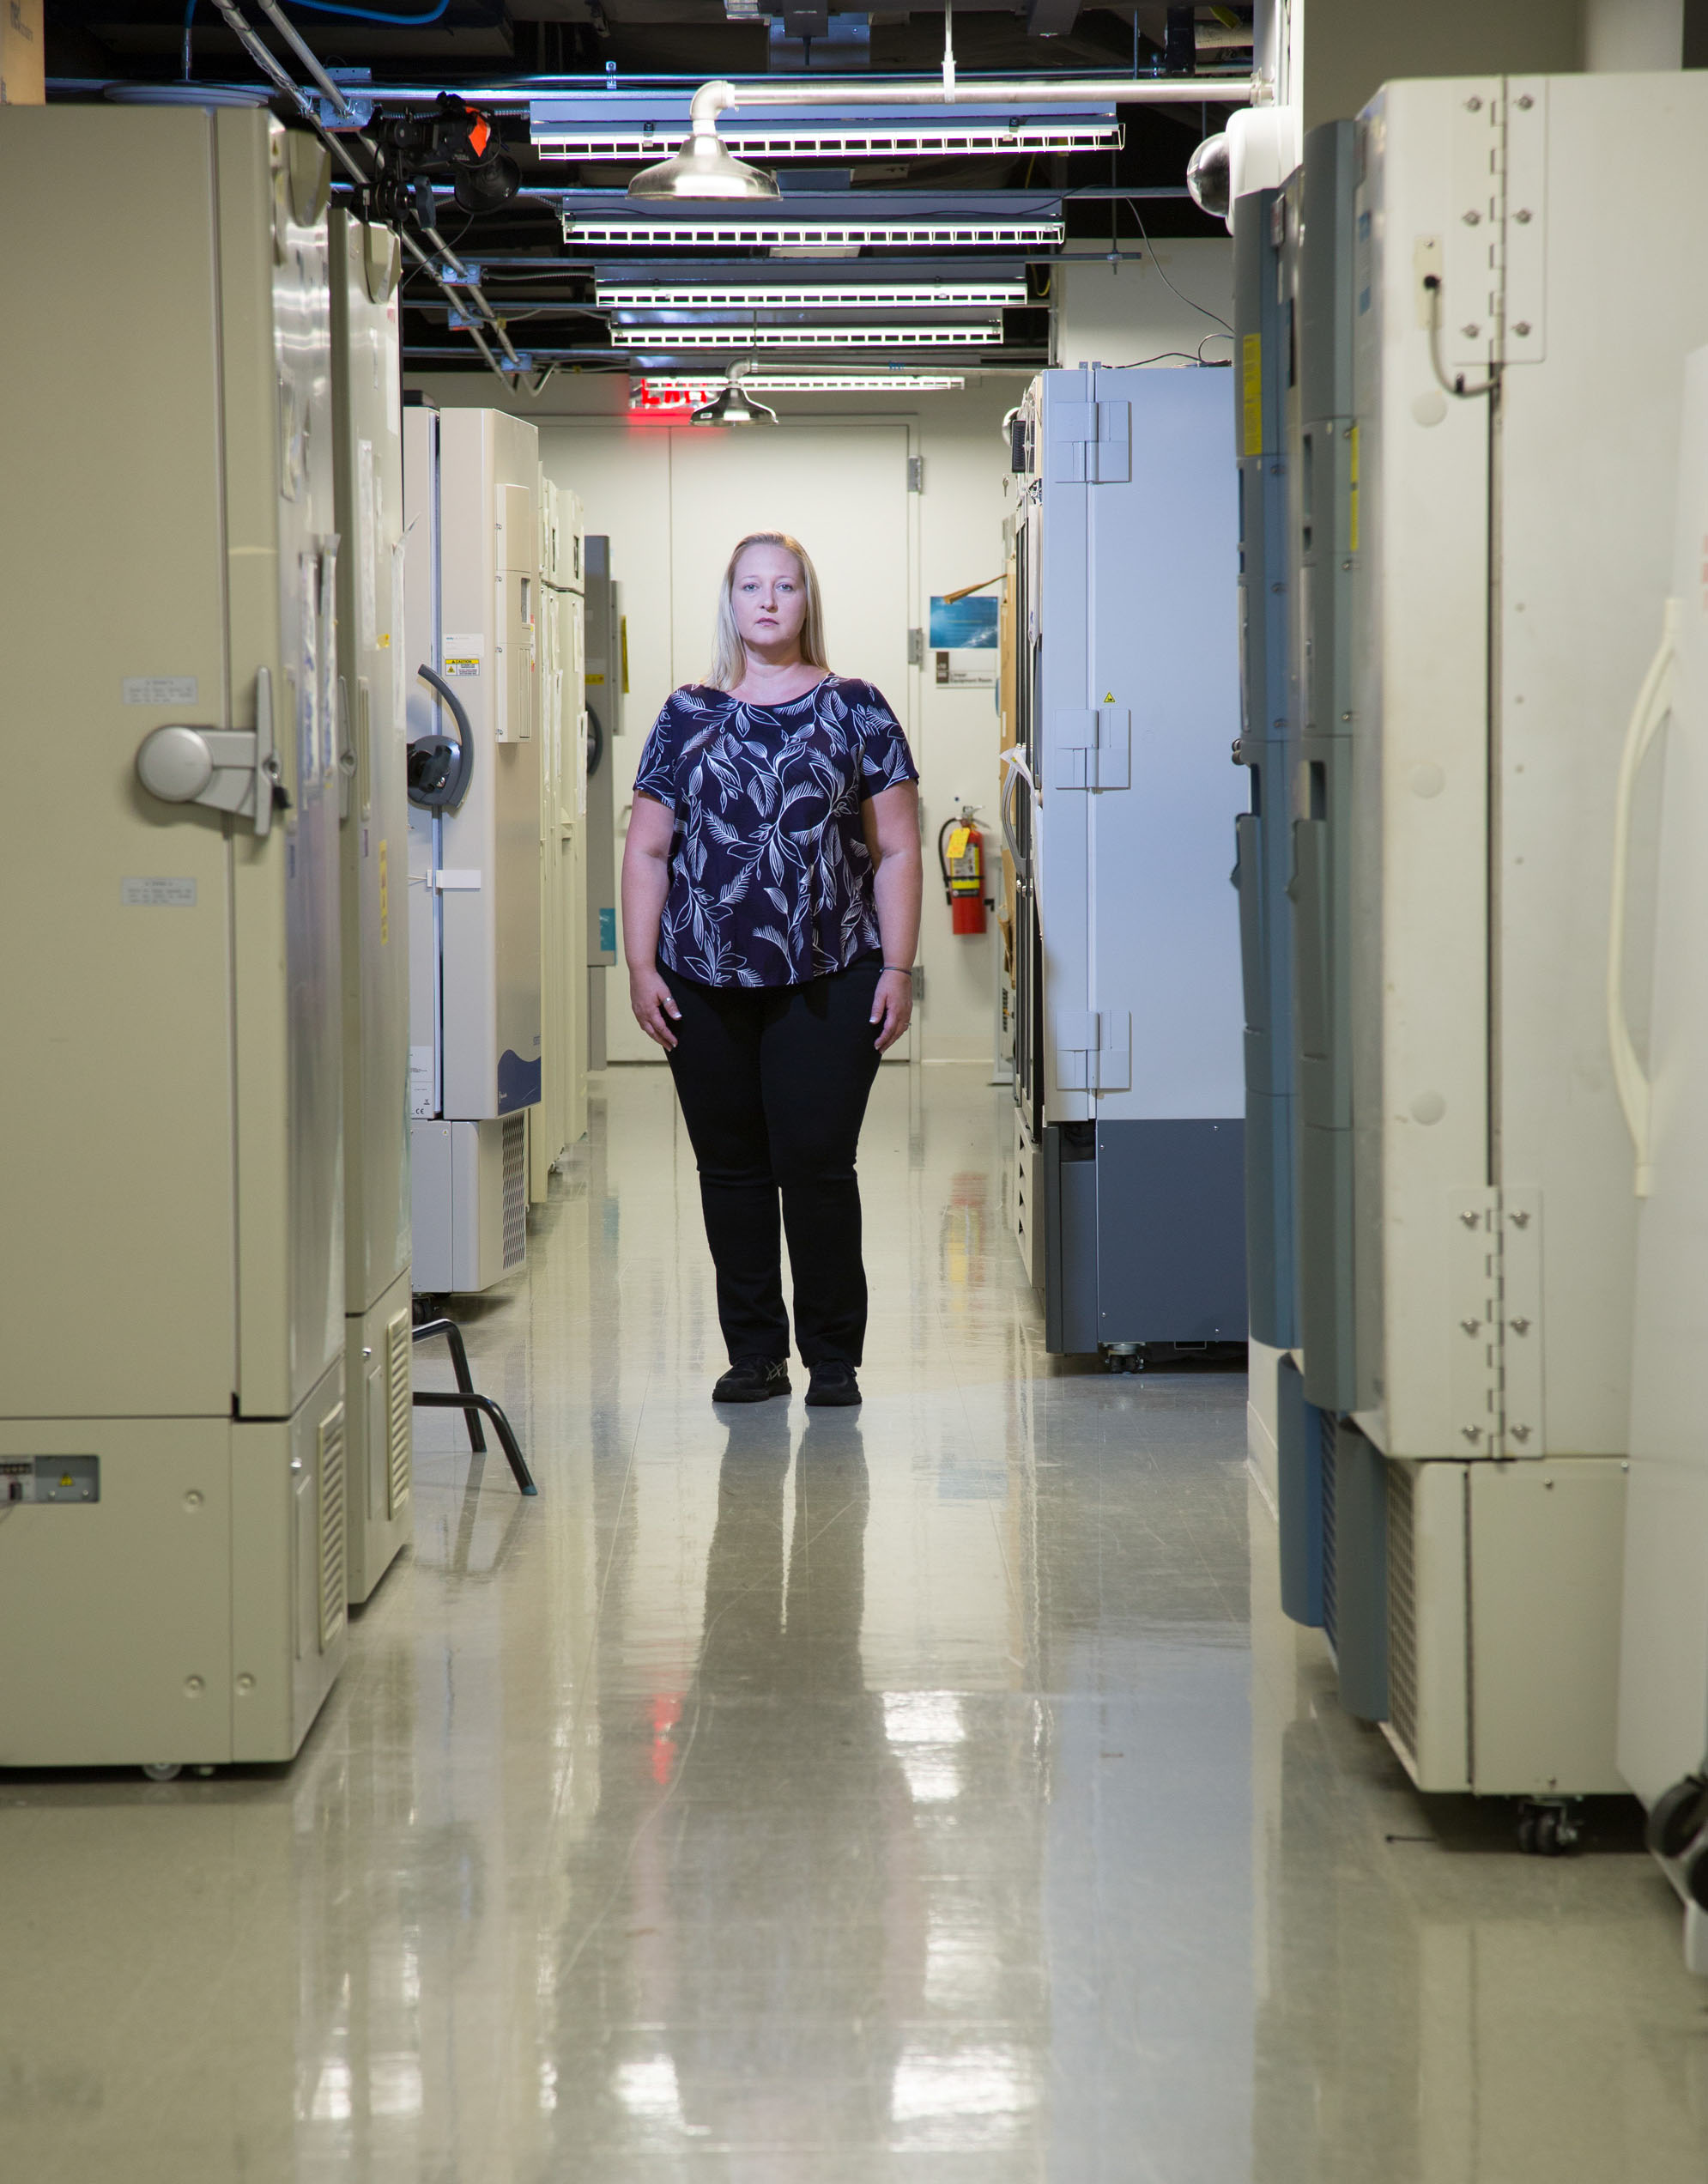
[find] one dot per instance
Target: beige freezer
(172, 1294)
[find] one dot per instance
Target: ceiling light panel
(972, 335)
(713, 233)
(678, 386)
(903, 140)
(829, 295)
(621, 126)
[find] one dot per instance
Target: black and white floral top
(771, 882)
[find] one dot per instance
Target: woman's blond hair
(729, 654)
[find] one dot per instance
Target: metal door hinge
(1092, 443)
(1093, 1050)
(1490, 262)
(1494, 1281)
(916, 473)
(915, 648)
(1092, 749)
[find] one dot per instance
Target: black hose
(443, 792)
(943, 833)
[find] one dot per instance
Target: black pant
(773, 1083)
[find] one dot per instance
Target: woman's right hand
(654, 1006)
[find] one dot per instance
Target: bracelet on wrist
(898, 970)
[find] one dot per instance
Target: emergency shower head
(703, 168)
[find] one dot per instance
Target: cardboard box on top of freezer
(23, 73)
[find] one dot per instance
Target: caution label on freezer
(420, 1080)
(160, 690)
(462, 655)
(149, 893)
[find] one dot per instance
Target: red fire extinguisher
(960, 854)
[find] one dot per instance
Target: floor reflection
(794, 1798)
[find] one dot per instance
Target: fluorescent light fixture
(830, 296)
(925, 137)
(677, 390)
(771, 233)
(985, 334)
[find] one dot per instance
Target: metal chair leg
(459, 1365)
(450, 1399)
(472, 1405)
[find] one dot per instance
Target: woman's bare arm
(646, 883)
(891, 822)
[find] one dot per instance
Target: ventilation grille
(397, 1436)
(1402, 1608)
(1330, 1597)
(515, 1190)
(334, 1576)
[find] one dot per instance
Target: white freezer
(472, 587)
(1509, 563)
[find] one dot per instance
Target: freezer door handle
(347, 750)
(223, 769)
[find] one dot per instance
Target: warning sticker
(160, 689)
(157, 893)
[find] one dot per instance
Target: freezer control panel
(48, 1478)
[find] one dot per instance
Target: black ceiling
(507, 50)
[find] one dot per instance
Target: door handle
(223, 769)
(1654, 702)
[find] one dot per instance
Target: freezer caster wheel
(1677, 1817)
(1124, 1357)
(1546, 1830)
(163, 1770)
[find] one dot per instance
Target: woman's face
(770, 600)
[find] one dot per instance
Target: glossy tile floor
(931, 1793)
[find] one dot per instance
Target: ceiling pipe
(318, 76)
(720, 95)
(705, 171)
(279, 78)
(282, 80)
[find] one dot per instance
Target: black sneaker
(833, 1383)
(755, 1379)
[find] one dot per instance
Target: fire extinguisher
(961, 854)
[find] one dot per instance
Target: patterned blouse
(770, 881)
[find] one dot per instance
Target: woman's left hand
(891, 1008)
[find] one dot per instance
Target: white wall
(951, 536)
(1623, 36)
(1129, 314)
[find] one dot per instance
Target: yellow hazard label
(1109, 697)
(958, 843)
(1251, 393)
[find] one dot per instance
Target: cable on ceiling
(374, 15)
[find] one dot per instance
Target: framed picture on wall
(963, 638)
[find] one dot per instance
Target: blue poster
(967, 625)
